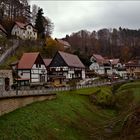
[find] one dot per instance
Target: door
(42, 78)
(7, 84)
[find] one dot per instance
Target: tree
(34, 13)
(50, 48)
(39, 24)
(49, 26)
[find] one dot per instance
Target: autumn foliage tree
(50, 48)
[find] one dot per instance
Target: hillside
(122, 43)
(69, 117)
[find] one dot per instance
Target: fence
(24, 91)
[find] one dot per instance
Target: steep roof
(114, 61)
(23, 25)
(100, 59)
(27, 60)
(63, 42)
(47, 62)
(133, 63)
(20, 25)
(2, 29)
(71, 60)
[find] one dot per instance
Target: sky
(72, 16)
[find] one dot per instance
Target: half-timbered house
(65, 66)
(31, 67)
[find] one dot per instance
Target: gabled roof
(63, 42)
(100, 59)
(2, 29)
(47, 62)
(27, 60)
(23, 25)
(133, 63)
(71, 60)
(114, 61)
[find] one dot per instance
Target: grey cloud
(71, 16)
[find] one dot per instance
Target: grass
(69, 117)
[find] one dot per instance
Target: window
(29, 27)
(38, 65)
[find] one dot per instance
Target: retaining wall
(8, 104)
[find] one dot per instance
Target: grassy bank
(69, 117)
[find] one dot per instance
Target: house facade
(100, 65)
(103, 66)
(24, 31)
(133, 68)
(3, 32)
(64, 67)
(31, 68)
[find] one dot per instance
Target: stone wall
(5, 74)
(9, 104)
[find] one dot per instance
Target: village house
(3, 32)
(31, 68)
(117, 68)
(64, 67)
(24, 31)
(103, 66)
(99, 64)
(133, 68)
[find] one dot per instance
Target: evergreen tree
(39, 25)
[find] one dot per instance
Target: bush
(103, 98)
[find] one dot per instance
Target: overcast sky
(72, 16)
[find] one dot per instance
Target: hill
(69, 117)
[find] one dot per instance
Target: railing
(26, 91)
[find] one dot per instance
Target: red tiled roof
(47, 62)
(27, 60)
(2, 28)
(100, 59)
(133, 63)
(20, 25)
(71, 60)
(23, 25)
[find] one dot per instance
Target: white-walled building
(24, 31)
(100, 65)
(103, 66)
(31, 67)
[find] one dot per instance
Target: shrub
(103, 98)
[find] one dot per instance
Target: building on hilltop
(24, 31)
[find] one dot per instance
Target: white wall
(36, 71)
(29, 33)
(24, 73)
